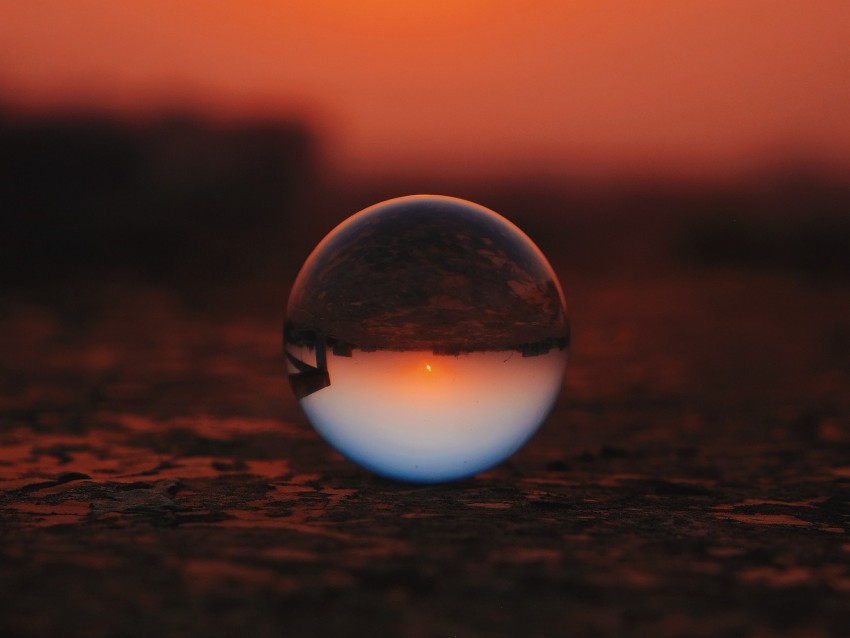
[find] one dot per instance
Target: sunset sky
(425, 418)
(463, 85)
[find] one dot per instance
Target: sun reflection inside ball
(426, 338)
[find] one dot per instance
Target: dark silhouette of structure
(86, 193)
(307, 379)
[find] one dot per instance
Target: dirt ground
(693, 480)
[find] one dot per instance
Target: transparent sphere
(426, 338)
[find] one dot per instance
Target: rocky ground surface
(694, 479)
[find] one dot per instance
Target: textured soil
(694, 479)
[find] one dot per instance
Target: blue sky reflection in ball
(426, 338)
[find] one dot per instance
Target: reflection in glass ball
(426, 338)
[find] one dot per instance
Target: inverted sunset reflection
(426, 338)
(421, 417)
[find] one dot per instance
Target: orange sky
(386, 411)
(458, 85)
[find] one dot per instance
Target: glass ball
(426, 338)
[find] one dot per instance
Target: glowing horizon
(411, 416)
(466, 85)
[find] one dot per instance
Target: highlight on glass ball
(426, 338)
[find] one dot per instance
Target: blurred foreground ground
(693, 480)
